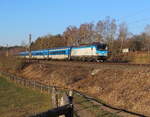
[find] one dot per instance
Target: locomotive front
(102, 52)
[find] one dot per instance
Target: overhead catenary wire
(136, 23)
(132, 15)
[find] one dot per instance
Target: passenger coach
(94, 52)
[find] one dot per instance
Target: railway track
(91, 64)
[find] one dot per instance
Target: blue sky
(18, 18)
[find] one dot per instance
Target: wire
(137, 21)
(134, 14)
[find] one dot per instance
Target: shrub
(11, 63)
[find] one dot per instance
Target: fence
(67, 109)
(29, 83)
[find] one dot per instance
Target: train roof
(66, 47)
(87, 45)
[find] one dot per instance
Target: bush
(11, 63)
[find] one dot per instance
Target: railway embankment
(122, 86)
(126, 87)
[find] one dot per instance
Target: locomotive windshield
(102, 47)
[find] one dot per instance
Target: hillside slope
(125, 87)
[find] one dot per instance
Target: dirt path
(117, 112)
(82, 111)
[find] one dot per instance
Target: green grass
(95, 109)
(20, 102)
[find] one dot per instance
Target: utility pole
(30, 36)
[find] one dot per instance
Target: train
(94, 52)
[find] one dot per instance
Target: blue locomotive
(94, 52)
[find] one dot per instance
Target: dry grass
(121, 86)
(11, 63)
(134, 57)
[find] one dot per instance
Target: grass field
(20, 102)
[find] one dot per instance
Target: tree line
(106, 31)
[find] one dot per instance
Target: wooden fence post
(34, 84)
(27, 83)
(54, 98)
(67, 100)
(41, 88)
(48, 90)
(23, 82)
(63, 101)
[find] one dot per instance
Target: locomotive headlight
(104, 54)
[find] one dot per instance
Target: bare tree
(147, 30)
(123, 32)
(25, 45)
(100, 30)
(106, 29)
(71, 35)
(86, 33)
(147, 38)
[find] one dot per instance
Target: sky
(19, 18)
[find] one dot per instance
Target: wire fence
(66, 109)
(28, 83)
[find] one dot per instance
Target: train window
(37, 53)
(102, 47)
(57, 52)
